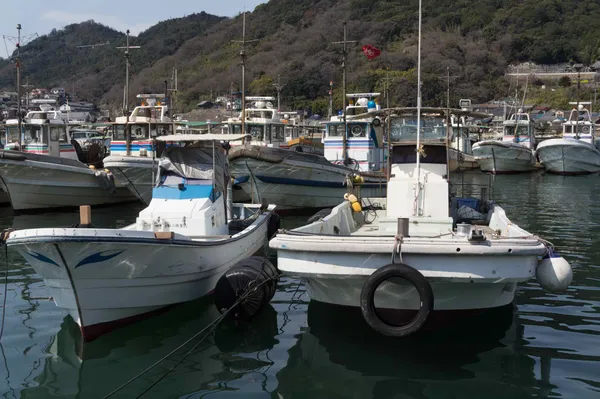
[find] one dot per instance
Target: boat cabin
(418, 179)
(262, 122)
(364, 146)
(580, 125)
(519, 129)
(193, 174)
(144, 123)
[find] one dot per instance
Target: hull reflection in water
(484, 355)
(76, 369)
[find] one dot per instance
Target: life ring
(367, 299)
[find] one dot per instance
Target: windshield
(405, 129)
(521, 131)
(12, 133)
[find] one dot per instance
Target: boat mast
(418, 208)
(243, 64)
(126, 105)
(344, 82)
(18, 65)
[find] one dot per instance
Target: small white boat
(577, 151)
(176, 251)
(460, 153)
(459, 256)
(265, 169)
(514, 153)
(51, 169)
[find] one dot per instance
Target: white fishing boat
(132, 156)
(265, 169)
(180, 245)
(422, 252)
(45, 167)
(577, 151)
(514, 153)
(460, 152)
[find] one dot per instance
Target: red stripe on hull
(90, 333)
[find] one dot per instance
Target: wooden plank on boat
(164, 235)
(85, 215)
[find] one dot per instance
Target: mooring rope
(252, 287)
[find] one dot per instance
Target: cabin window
(335, 130)
(520, 131)
(406, 154)
(583, 129)
(160, 130)
(119, 132)
(406, 129)
(58, 133)
(256, 131)
(33, 134)
(235, 129)
(139, 132)
(12, 135)
(357, 130)
(278, 133)
(268, 131)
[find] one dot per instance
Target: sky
(41, 16)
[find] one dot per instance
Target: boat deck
(375, 229)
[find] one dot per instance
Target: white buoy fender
(554, 273)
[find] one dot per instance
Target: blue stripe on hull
(310, 183)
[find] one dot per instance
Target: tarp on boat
(196, 163)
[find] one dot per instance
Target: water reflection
(93, 369)
(339, 356)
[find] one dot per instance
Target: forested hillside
(475, 39)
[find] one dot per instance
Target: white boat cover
(196, 163)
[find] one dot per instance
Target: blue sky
(41, 16)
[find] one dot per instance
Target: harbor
(543, 347)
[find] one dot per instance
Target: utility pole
(330, 99)
(344, 77)
(173, 91)
(278, 86)
(243, 64)
(126, 105)
(27, 86)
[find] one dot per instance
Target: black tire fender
(367, 299)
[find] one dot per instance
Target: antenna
(418, 210)
(344, 59)
(243, 63)
(126, 105)
(18, 42)
(93, 45)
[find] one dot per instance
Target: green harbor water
(548, 346)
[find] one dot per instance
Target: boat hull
(108, 278)
(296, 184)
(400, 300)
(134, 172)
(459, 160)
(33, 185)
(498, 157)
(569, 156)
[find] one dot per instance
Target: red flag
(371, 51)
